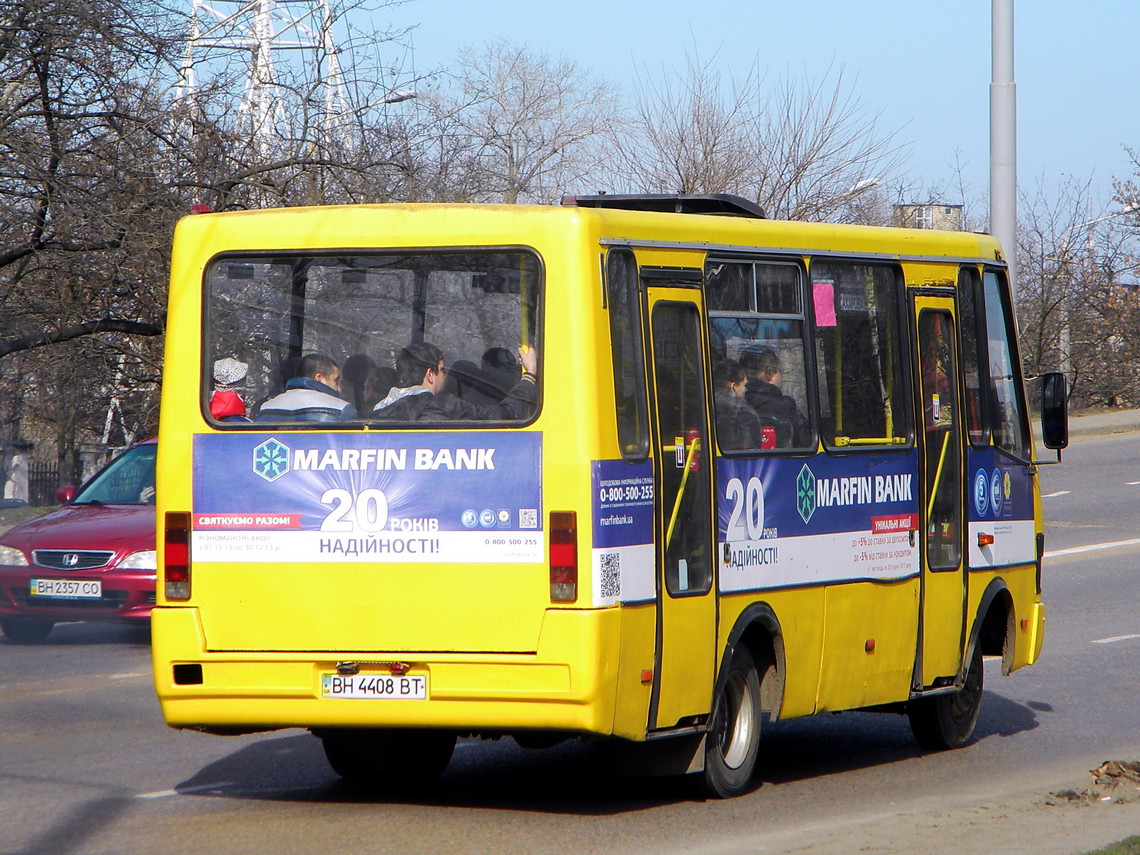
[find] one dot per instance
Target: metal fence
(43, 481)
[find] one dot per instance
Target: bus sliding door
(943, 570)
(685, 592)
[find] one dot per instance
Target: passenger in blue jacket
(313, 395)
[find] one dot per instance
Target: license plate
(374, 686)
(84, 589)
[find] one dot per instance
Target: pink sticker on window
(823, 294)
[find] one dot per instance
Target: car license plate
(374, 686)
(85, 589)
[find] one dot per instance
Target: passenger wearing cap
(226, 404)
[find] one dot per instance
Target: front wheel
(733, 740)
(23, 630)
(947, 721)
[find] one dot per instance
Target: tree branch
(16, 344)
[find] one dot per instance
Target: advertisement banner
(373, 497)
(623, 551)
(787, 521)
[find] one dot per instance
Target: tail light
(563, 556)
(176, 563)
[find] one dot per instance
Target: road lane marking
(1092, 547)
(1116, 638)
(1055, 495)
(165, 794)
(1131, 483)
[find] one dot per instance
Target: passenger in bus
(312, 395)
(226, 405)
(354, 375)
(767, 399)
(380, 381)
(486, 383)
(420, 396)
(737, 426)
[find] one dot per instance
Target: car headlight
(147, 560)
(12, 556)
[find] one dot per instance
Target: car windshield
(128, 480)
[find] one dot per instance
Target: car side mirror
(64, 495)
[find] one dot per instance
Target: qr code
(611, 574)
(528, 518)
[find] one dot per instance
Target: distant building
(928, 216)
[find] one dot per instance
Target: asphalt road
(87, 766)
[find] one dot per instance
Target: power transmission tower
(223, 31)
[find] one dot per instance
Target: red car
(91, 560)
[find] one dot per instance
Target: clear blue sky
(924, 65)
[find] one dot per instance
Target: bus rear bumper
(566, 685)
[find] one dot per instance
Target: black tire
(733, 741)
(947, 721)
(389, 760)
(25, 630)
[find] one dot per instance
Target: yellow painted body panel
(636, 658)
(568, 684)
(882, 613)
(800, 613)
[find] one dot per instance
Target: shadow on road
(90, 634)
(576, 777)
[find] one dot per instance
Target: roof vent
(724, 204)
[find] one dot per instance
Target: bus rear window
(361, 338)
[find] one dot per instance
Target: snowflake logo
(271, 459)
(805, 493)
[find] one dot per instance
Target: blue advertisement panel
(623, 519)
(999, 509)
(790, 521)
(421, 497)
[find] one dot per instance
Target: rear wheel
(25, 630)
(389, 759)
(947, 721)
(733, 740)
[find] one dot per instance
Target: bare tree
(1073, 307)
(802, 150)
(100, 153)
(522, 126)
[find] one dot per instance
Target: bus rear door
(686, 648)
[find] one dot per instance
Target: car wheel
(947, 721)
(733, 740)
(22, 630)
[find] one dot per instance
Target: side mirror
(1054, 410)
(64, 495)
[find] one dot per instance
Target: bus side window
(862, 385)
(972, 357)
(1007, 414)
(758, 322)
(628, 355)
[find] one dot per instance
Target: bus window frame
(1013, 341)
(206, 386)
(807, 349)
(636, 301)
(904, 348)
(973, 287)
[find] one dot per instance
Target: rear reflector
(176, 564)
(563, 556)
